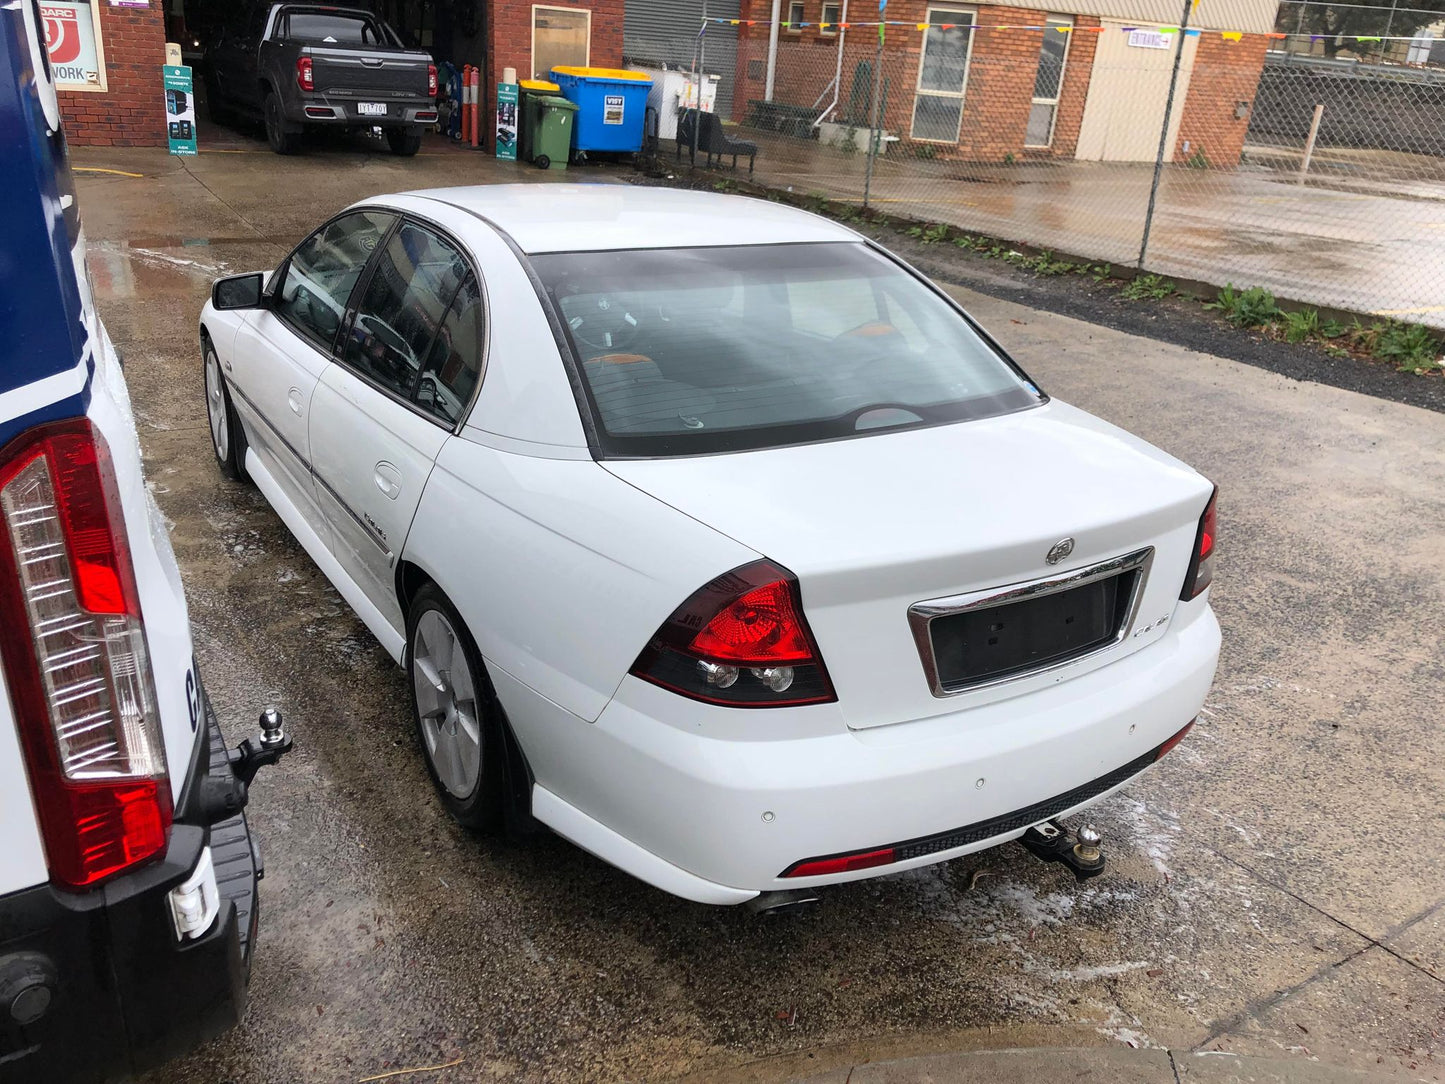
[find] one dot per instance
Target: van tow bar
(223, 794)
(1052, 842)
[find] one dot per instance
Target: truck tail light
(305, 79)
(1201, 564)
(75, 655)
(741, 640)
(431, 80)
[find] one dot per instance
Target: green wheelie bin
(552, 138)
(531, 90)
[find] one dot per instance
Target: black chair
(711, 140)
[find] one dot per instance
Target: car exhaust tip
(788, 902)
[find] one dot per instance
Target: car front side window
(401, 310)
(322, 272)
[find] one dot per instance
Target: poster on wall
(180, 110)
(72, 41)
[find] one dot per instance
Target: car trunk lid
(890, 523)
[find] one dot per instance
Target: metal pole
(873, 112)
(1299, 25)
(1304, 166)
(1389, 25)
(1164, 132)
(772, 50)
(698, 75)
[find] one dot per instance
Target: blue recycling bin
(611, 103)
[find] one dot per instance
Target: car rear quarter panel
(561, 571)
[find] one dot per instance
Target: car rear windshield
(334, 28)
(695, 350)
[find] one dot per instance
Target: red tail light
(741, 641)
(1201, 565)
(431, 80)
(75, 657)
(305, 79)
(843, 863)
(1168, 747)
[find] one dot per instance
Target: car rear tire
(403, 141)
(216, 110)
(282, 141)
(228, 439)
(456, 713)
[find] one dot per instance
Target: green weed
(1148, 287)
(1410, 348)
(1301, 326)
(929, 235)
(1253, 307)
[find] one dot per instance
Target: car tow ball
(224, 794)
(1052, 842)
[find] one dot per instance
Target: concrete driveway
(1275, 886)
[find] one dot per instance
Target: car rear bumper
(719, 818)
(125, 992)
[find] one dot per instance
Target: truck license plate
(371, 109)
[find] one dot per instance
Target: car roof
(597, 217)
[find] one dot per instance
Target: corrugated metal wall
(665, 32)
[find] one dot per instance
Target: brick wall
(132, 111)
(509, 44)
(1225, 74)
(997, 95)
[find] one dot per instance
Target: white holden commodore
(712, 535)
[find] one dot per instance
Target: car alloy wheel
(216, 410)
(446, 701)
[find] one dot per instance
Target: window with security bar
(1049, 81)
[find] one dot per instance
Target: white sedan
(712, 535)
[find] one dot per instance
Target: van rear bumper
(99, 985)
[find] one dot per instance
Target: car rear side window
(323, 270)
(398, 317)
(454, 363)
(333, 28)
(688, 351)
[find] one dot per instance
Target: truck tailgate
(358, 71)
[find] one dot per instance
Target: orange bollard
(476, 106)
(466, 104)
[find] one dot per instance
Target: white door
(1127, 91)
(402, 380)
(282, 350)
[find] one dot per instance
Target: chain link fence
(1213, 155)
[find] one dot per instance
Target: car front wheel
(455, 711)
(228, 440)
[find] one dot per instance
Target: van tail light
(741, 640)
(1201, 565)
(431, 80)
(305, 77)
(76, 663)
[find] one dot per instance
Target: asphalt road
(1275, 885)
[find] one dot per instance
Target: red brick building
(1083, 79)
(106, 61)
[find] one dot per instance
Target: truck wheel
(543, 162)
(455, 711)
(216, 109)
(403, 141)
(282, 141)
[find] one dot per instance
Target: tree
(1339, 26)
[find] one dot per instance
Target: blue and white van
(127, 872)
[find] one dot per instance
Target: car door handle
(388, 480)
(294, 401)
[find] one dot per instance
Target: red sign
(62, 34)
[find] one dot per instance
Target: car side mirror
(237, 292)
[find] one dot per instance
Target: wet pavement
(1275, 885)
(1361, 232)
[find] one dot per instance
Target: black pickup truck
(303, 65)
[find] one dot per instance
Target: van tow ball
(223, 794)
(1052, 842)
